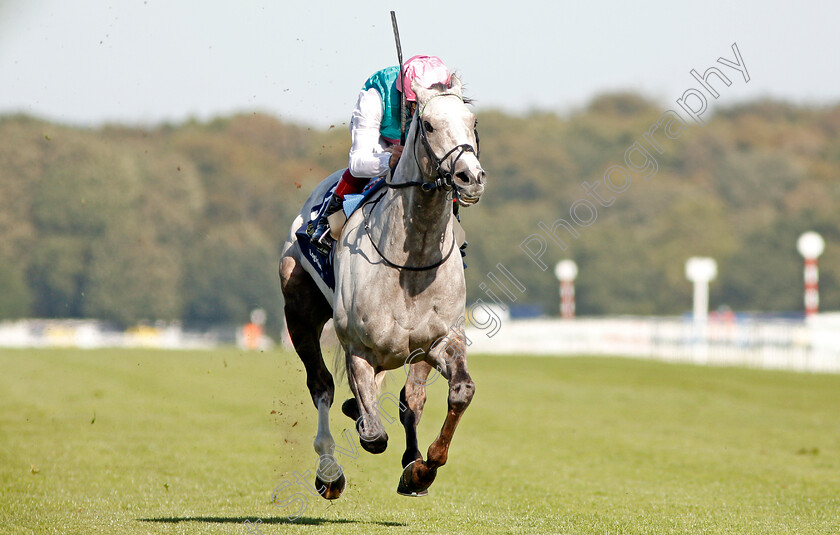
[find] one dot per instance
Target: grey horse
(399, 292)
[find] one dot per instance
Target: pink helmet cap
(427, 70)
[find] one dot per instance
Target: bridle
(444, 178)
(382, 255)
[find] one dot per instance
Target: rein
(444, 180)
(385, 259)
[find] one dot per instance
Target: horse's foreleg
(412, 400)
(451, 360)
(362, 379)
(461, 390)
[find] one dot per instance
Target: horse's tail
(339, 365)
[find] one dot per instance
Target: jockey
(375, 132)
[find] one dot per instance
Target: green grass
(125, 442)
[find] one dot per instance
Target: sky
(144, 62)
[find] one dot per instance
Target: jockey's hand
(396, 152)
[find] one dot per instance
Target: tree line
(185, 221)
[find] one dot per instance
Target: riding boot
(321, 238)
(463, 251)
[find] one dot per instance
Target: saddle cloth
(324, 264)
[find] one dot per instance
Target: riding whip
(402, 77)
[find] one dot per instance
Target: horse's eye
(428, 126)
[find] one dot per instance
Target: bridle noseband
(444, 178)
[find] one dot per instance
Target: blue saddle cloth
(324, 264)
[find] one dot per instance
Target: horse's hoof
(416, 478)
(375, 446)
(331, 490)
(379, 442)
(413, 494)
(350, 409)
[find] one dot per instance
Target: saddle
(323, 264)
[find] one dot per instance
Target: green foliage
(15, 298)
(740, 189)
(132, 277)
(57, 275)
(84, 189)
(761, 275)
(186, 221)
(229, 273)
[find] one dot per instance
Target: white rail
(781, 344)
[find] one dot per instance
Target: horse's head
(446, 129)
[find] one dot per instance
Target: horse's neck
(424, 217)
(417, 221)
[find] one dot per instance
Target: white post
(566, 271)
(701, 301)
(701, 271)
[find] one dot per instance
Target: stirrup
(320, 237)
(323, 243)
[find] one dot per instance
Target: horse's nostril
(463, 176)
(482, 176)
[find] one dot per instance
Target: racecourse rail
(802, 345)
(810, 345)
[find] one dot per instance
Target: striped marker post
(811, 246)
(566, 271)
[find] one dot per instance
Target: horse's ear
(455, 85)
(422, 93)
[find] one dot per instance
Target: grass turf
(141, 441)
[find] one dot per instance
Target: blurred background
(153, 154)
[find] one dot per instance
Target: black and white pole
(811, 246)
(566, 271)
